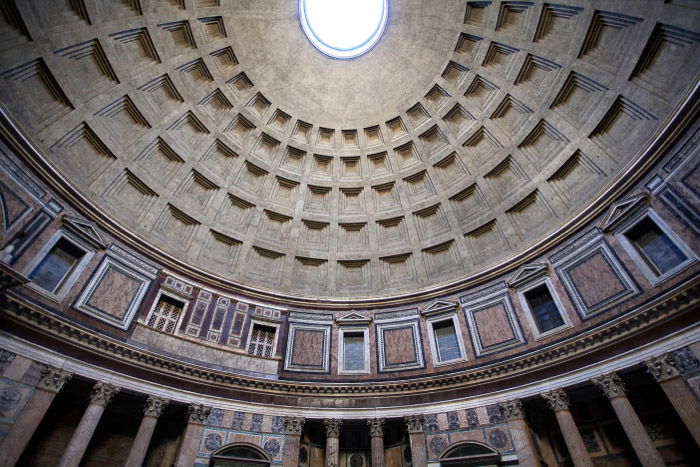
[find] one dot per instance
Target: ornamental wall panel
(308, 347)
(399, 345)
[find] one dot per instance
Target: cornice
(674, 303)
(665, 135)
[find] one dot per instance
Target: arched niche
(239, 455)
(470, 453)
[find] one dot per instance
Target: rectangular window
(56, 267)
(166, 314)
(544, 309)
(446, 341)
(353, 351)
(262, 341)
(657, 250)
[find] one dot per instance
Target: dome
(469, 204)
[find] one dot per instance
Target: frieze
(133, 259)
(387, 315)
(21, 177)
(484, 293)
(294, 315)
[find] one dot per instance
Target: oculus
(343, 28)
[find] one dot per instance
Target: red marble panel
(595, 280)
(399, 346)
(473, 435)
(114, 293)
(493, 325)
(307, 348)
(14, 206)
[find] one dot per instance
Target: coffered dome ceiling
(221, 138)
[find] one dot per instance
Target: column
(51, 381)
(559, 402)
(414, 424)
(292, 437)
(520, 432)
(197, 415)
(151, 411)
(376, 433)
(664, 371)
(102, 394)
(614, 389)
(332, 433)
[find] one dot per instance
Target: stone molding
(557, 399)
(103, 393)
(52, 379)
(293, 425)
(611, 385)
(376, 427)
(415, 423)
(512, 409)
(198, 414)
(332, 426)
(662, 368)
(155, 406)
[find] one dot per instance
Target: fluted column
(614, 389)
(102, 394)
(292, 437)
(559, 402)
(151, 411)
(376, 433)
(51, 381)
(197, 415)
(520, 432)
(332, 433)
(664, 371)
(415, 425)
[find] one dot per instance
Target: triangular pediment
(527, 273)
(622, 209)
(85, 229)
(354, 318)
(439, 306)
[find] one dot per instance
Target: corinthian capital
(512, 410)
(611, 385)
(663, 367)
(155, 406)
(103, 393)
(52, 379)
(415, 423)
(376, 426)
(556, 399)
(332, 427)
(198, 414)
(293, 425)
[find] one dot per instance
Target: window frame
(434, 350)
(341, 349)
(268, 324)
(68, 280)
(641, 262)
(179, 298)
(529, 315)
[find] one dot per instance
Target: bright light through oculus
(343, 28)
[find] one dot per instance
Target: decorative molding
(52, 379)
(332, 426)
(198, 414)
(415, 423)
(301, 316)
(103, 393)
(376, 427)
(293, 425)
(155, 406)
(353, 318)
(437, 307)
(512, 410)
(528, 273)
(622, 210)
(611, 385)
(85, 230)
(556, 399)
(141, 265)
(662, 368)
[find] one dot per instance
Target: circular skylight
(343, 28)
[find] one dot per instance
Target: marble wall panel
(308, 348)
(399, 346)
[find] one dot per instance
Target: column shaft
(572, 438)
(81, 438)
(646, 452)
(24, 427)
(523, 443)
(332, 451)
(291, 450)
(140, 445)
(418, 449)
(377, 443)
(685, 403)
(188, 448)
